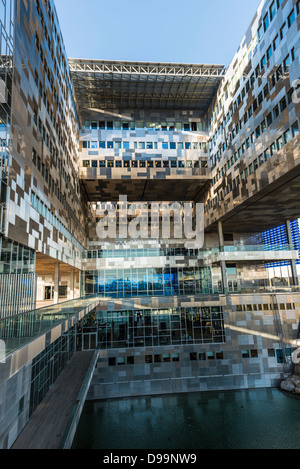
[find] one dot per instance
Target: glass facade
(48, 365)
(278, 235)
(151, 327)
(124, 283)
(6, 78)
(15, 258)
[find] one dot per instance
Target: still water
(254, 419)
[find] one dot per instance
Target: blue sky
(186, 31)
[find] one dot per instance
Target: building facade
(109, 172)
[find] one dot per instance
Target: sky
(179, 31)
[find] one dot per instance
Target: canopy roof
(101, 84)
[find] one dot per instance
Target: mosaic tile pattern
(44, 138)
(263, 84)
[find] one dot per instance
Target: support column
(56, 283)
(72, 283)
(293, 263)
(223, 263)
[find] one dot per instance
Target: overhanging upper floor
(144, 85)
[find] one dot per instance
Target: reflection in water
(255, 419)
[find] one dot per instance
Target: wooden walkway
(49, 421)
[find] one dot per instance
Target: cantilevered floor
(144, 85)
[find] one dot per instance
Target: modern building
(146, 194)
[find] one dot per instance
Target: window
(269, 119)
(210, 356)
(295, 129)
(86, 144)
(165, 146)
(272, 10)
(193, 356)
(293, 54)
(148, 359)
(279, 143)
(291, 18)
(287, 136)
(266, 22)
(286, 63)
(253, 353)
(283, 31)
(86, 164)
(282, 104)
(245, 354)
(276, 111)
(94, 164)
(130, 360)
(260, 32)
(276, 42)
(111, 361)
(110, 125)
(94, 124)
(279, 72)
(172, 145)
(102, 125)
(110, 145)
(126, 145)
(186, 127)
(273, 149)
(34, 157)
(194, 126)
(269, 53)
(101, 145)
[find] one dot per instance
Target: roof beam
(128, 68)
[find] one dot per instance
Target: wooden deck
(49, 421)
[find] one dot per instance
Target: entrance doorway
(89, 342)
(49, 293)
